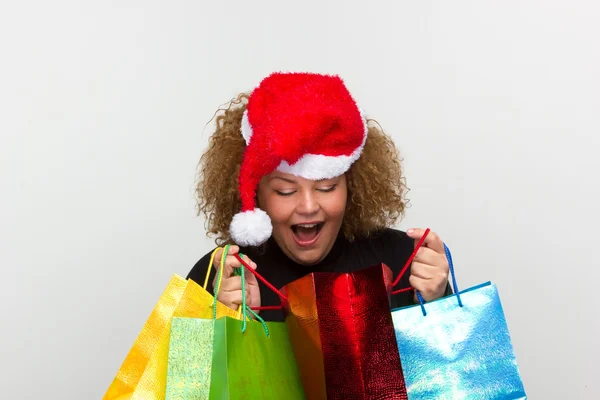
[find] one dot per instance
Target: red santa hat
(304, 124)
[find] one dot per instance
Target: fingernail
(410, 231)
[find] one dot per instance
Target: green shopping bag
(214, 359)
(227, 358)
(257, 363)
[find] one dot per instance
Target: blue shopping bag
(458, 347)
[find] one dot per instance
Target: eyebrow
(291, 180)
(283, 179)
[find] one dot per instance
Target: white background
(103, 107)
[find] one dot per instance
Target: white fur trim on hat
(251, 228)
(318, 166)
(246, 128)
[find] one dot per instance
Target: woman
(303, 182)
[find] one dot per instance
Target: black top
(388, 246)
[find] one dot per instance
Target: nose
(308, 203)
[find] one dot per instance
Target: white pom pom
(251, 228)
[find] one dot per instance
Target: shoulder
(392, 234)
(390, 239)
(393, 247)
(202, 266)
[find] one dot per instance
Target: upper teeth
(307, 225)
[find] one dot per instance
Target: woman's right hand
(230, 292)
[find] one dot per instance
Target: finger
(230, 263)
(234, 297)
(231, 284)
(234, 249)
(249, 291)
(418, 283)
(227, 271)
(432, 240)
(217, 258)
(217, 261)
(422, 271)
(429, 272)
(231, 299)
(430, 289)
(250, 277)
(247, 260)
(429, 256)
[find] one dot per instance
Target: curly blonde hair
(376, 185)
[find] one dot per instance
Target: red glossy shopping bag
(343, 335)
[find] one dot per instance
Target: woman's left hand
(429, 271)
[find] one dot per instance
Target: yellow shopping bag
(143, 374)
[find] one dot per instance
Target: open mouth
(308, 233)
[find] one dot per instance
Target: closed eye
(285, 193)
(326, 190)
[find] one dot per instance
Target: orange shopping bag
(143, 374)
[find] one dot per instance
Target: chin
(308, 259)
(302, 255)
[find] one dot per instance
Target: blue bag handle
(454, 284)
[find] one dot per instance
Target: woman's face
(306, 215)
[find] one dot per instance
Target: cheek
(277, 207)
(335, 206)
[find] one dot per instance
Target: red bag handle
(407, 265)
(263, 280)
(283, 297)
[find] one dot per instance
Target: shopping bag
(214, 359)
(458, 347)
(143, 373)
(342, 334)
(255, 363)
(227, 358)
(136, 362)
(190, 359)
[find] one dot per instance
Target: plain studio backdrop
(104, 112)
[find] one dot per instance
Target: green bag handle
(245, 308)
